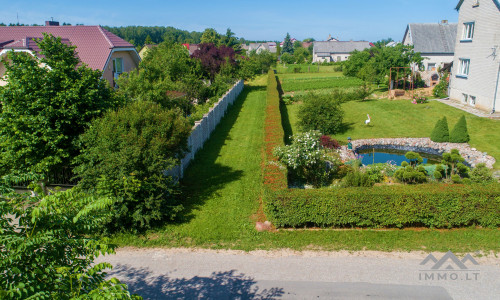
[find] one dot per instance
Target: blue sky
(254, 20)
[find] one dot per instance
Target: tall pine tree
(287, 45)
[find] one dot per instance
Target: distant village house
(333, 51)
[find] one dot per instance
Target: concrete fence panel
(203, 128)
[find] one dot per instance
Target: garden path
(469, 109)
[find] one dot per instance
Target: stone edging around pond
(425, 145)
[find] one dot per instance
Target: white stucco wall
(334, 57)
(484, 66)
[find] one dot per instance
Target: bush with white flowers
(306, 158)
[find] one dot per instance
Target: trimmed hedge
(432, 205)
(275, 176)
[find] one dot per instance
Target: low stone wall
(203, 128)
(425, 145)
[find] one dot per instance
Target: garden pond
(370, 156)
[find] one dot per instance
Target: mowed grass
(400, 118)
(290, 83)
(222, 191)
(304, 68)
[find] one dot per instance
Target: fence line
(203, 128)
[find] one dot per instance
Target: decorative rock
(471, 155)
(266, 226)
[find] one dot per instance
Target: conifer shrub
(459, 133)
(481, 174)
(440, 133)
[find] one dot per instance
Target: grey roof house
(475, 75)
(331, 51)
(436, 42)
(259, 47)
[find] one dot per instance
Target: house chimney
(444, 22)
(51, 23)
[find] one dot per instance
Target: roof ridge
(105, 35)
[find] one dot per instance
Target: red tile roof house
(96, 47)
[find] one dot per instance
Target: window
(465, 97)
(117, 67)
(472, 100)
(431, 67)
(468, 33)
(463, 68)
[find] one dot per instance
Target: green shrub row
(436, 205)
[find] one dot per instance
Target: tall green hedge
(436, 205)
(440, 133)
(275, 177)
(459, 134)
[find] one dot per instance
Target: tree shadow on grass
(219, 285)
(204, 177)
(346, 126)
(285, 122)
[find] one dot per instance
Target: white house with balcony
(475, 75)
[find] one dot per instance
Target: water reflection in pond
(371, 156)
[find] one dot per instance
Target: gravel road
(285, 274)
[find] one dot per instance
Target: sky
(368, 20)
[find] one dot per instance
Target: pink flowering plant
(419, 100)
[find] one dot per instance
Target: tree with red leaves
(213, 57)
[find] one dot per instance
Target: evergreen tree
(287, 45)
(440, 133)
(459, 133)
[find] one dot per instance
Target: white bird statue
(367, 121)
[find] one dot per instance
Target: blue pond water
(368, 157)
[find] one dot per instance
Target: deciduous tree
(47, 103)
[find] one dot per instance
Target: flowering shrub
(419, 100)
(306, 158)
(329, 143)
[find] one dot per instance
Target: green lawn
(317, 83)
(223, 188)
(304, 68)
(400, 118)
